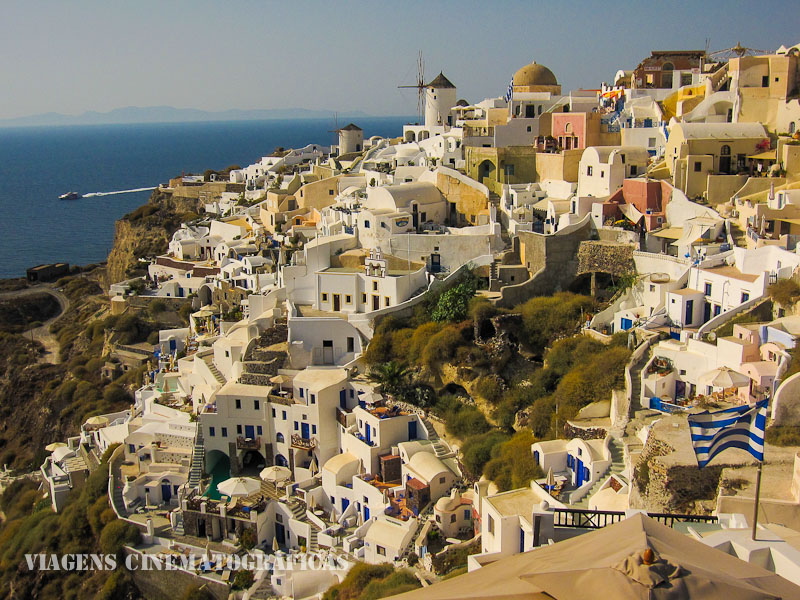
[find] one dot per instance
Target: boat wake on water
(93, 194)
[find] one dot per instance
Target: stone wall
(168, 585)
(605, 257)
(552, 261)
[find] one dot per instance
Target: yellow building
(494, 167)
(696, 150)
(764, 84)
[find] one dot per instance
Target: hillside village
(286, 419)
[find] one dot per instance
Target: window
(366, 224)
(698, 166)
(745, 296)
(765, 81)
(529, 128)
(238, 403)
(284, 415)
(623, 158)
(314, 429)
(652, 288)
(302, 393)
(466, 513)
(256, 405)
(273, 413)
(438, 519)
(324, 297)
(351, 344)
(224, 432)
(441, 479)
(374, 286)
(279, 516)
(490, 523)
(363, 298)
(386, 300)
(239, 430)
(634, 170)
(313, 398)
(381, 550)
(211, 432)
(296, 426)
(452, 518)
(708, 289)
(279, 438)
(589, 171)
(330, 192)
(384, 225)
(259, 430)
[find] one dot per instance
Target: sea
(104, 162)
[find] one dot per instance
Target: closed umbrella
(239, 486)
(275, 545)
(275, 474)
(550, 482)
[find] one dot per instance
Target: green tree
(392, 377)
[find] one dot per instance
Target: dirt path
(42, 333)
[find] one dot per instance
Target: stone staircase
(617, 451)
(432, 435)
(179, 529)
(198, 460)
(209, 360)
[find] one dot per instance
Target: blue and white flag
(739, 427)
(510, 90)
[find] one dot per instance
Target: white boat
(69, 196)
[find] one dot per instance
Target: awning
(670, 233)
(631, 212)
(768, 155)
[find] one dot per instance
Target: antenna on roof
(420, 85)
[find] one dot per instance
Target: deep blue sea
(37, 164)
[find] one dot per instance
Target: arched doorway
(281, 461)
(486, 171)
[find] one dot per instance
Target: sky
(70, 57)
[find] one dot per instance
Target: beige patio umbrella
(724, 378)
(370, 397)
(97, 421)
(54, 446)
(236, 487)
(281, 379)
(275, 474)
(613, 562)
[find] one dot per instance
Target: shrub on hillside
(512, 464)
(784, 291)
(548, 318)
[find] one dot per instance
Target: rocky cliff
(147, 230)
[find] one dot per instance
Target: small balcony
(243, 443)
(302, 443)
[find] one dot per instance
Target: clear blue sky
(71, 57)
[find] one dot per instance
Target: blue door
(626, 324)
(280, 533)
(166, 492)
(304, 430)
(369, 435)
(366, 513)
(345, 504)
(412, 430)
(343, 399)
(689, 312)
(579, 474)
(249, 431)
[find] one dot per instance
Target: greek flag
(740, 427)
(510, 89)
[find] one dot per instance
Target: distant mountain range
(170, 114)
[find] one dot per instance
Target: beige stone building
(696, 150)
